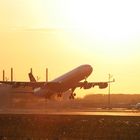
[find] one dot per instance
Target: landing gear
(72, 95)
(59, 95)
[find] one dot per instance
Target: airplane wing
(84, 85)
(15, 84)
(88, 85)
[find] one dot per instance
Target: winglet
(111, 81)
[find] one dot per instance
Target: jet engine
(87, 85)
(103, 85)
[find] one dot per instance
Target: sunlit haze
(63, 34)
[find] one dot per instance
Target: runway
(92, 112)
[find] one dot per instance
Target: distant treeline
(115, 98)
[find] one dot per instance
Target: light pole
(109, 81)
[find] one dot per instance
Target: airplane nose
(88, 69)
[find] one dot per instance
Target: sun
(105, 27)
(111, 20)
(107, 20)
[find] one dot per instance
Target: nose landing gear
(72, 95)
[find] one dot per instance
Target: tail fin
(31, 77)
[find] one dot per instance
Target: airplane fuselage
(65, 82)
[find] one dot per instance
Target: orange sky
(63, 34)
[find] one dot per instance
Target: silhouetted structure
(3, 74)
(46, 74)
(11, 74)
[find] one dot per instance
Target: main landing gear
(59, 95)
(72, 95)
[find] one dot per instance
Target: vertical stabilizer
(31, 77)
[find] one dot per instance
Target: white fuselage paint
(67, 81)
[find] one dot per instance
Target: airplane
(68, 81)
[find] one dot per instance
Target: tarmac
(92, 112)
